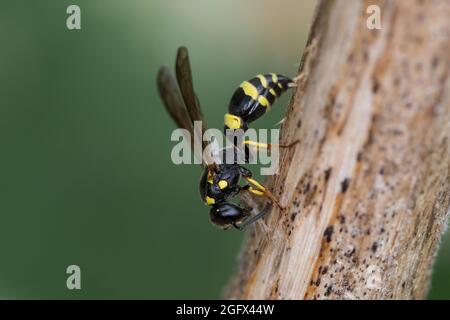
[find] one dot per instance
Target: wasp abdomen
(254, 97)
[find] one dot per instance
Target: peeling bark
(367, 189)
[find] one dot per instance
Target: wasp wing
(172, 99)
(184, 77)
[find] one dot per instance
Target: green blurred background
(86, 176)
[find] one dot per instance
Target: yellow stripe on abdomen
(263, 80)
(274, 77)
(249, 89)
(252, 91)
(263, 101)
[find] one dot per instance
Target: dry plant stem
(367, 189)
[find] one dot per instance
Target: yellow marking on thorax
(209, 200)
(272, 92)
(232, 121)
(210, 177)
(263, 80)
(249, 89)
(222, 184)
(279, 85)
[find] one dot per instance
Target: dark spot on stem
(293, 215)
(374, 247)
(375, 86)
(359, 156)
(327, 174)
(348, 254)
(434, 62)
(325, 270)
(350, 57)
(329, 290)
(344, 185)
(307, 187)
(328, 233)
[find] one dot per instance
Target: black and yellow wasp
(220, 180)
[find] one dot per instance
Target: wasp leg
(260, 145)
(253, 219)
(238, 189)
(237, 226)
(260, 190)
(250, 189)
(245, 172)
(255, 191)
